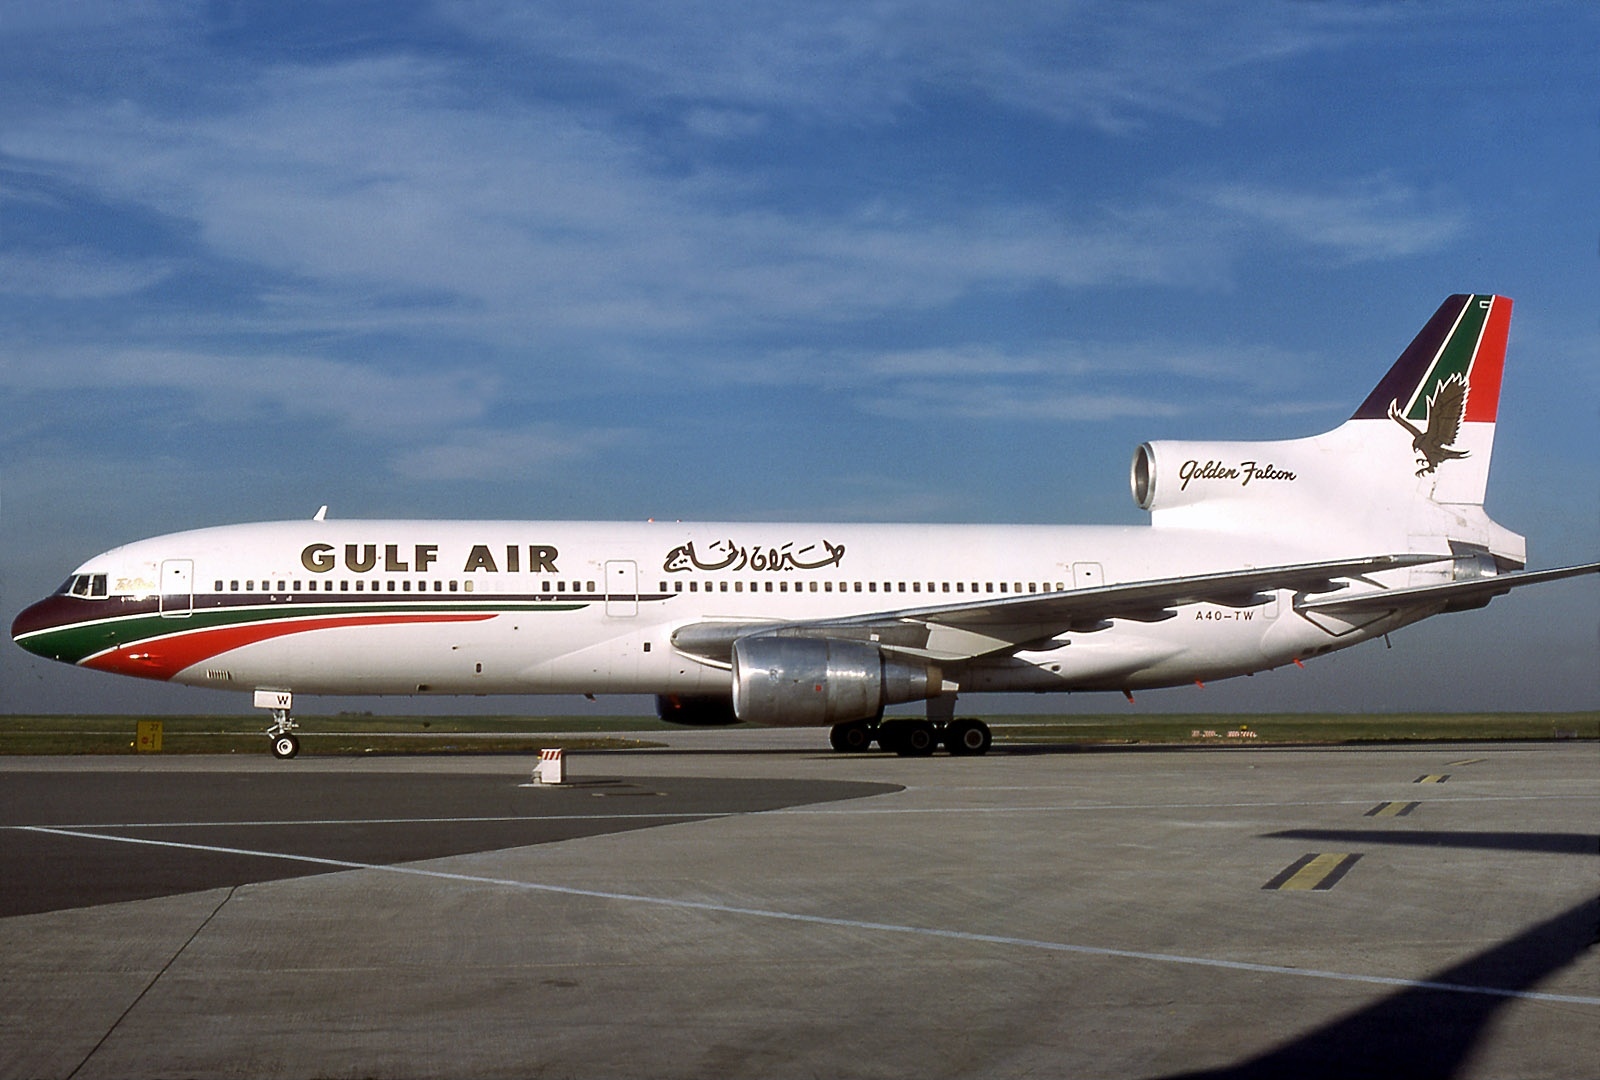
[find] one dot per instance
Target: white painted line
(812, 811)
(852, 924)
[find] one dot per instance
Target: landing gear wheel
(916, 738)
(968, 738)
(285, 746)
(852, 738)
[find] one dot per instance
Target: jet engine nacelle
(812, 682)
(1170, 474)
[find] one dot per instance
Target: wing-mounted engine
(807, 682)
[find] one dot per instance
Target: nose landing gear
(285, 744)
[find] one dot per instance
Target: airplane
(1257, 555)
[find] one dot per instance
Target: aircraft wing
(1454, 595)
(963, 631)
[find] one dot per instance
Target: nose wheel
(285, 744)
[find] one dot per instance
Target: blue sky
(717, 260)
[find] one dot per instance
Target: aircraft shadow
(1539, 843)
(1421, 1033)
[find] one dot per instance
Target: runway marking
(1432, 778)
(1313, 872)
(1468, 761)
(851, 811)
(1392, 809)
(857, 924)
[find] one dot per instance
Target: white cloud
(522, 457)
(77, 274)
(1108, 66)
(214, 386)
(1361, 220)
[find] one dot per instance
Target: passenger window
(249, 586)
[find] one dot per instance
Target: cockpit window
(88, 586)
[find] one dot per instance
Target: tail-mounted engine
(803, 682)
(1169, 474)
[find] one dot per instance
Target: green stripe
(73, 644)
(1456, 356)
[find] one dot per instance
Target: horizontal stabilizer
(1455, 595)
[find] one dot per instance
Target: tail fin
(1444, 391)
(1412, 464)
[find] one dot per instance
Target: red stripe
(1483, 402)
(164, 658)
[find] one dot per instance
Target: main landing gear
(913, 738)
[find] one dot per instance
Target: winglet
(1466, 337)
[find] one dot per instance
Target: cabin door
(622, 588)
(177, 588)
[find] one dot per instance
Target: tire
(285, 746)
(918, 738)
(968, 738)
(851, 738)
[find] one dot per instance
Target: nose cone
(45, 628)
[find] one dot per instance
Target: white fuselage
(451, 607)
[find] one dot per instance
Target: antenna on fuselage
(321, 514)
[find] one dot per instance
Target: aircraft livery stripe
(1455, 358)
(164, 657)
(1483, 402)
(76, 630)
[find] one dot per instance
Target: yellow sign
(149, 739)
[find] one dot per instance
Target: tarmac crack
(140, 996)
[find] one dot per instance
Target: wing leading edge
(967, 631)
